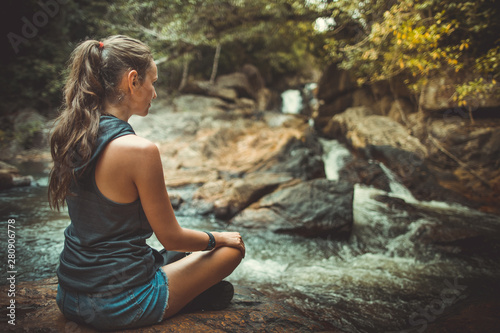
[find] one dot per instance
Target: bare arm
(147, 175)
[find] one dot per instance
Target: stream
(378, 280)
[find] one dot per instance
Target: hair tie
(101, 45)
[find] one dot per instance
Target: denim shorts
(139, 306)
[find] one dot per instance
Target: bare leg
(190, 276)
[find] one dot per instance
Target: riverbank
(350, 250)
(250, 311)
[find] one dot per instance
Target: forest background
(373, 39)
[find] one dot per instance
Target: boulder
(470, 153)
(176, 200)
(439, 91)
(300, 158)
(254, 77)
(364, 97)
(190, 102)
(30, 129)
(451, 229)
(400, 109)
(336, 106)
(316, 208)
(206, 88)
(383, 139)
(237, 81)
(335, 82)
(361, 171)
(362, 128)
(10, 177)
(182, 177)
(230, 197)
(250, 311)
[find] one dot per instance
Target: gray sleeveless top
(105, 246)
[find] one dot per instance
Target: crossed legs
(190, 276)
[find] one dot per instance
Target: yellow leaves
(401, 63)
(463, 46)
(369, 54)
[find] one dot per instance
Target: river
(381, 279)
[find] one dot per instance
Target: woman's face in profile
(146, 92)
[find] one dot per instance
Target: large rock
(438, 93)
(301, 158)
(335, 82)
(361, 171)
(383, 139)
(191, 102)
(202, 147)
(362, 128)
(239, 82)
(469, 155)
(317, 208)
(251, 311)
(230, 197)
(431, 228)
(208, 89)
(254, 77)
(10, 177)
(336, 106)
(30, 129)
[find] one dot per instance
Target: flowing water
(379, 280)
(291, 101)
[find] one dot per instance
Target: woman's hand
(231, 239)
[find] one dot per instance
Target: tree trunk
(185, 71)
(470, 114)
(216, 63)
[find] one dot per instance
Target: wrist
(211, 242)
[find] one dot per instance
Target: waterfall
(397, 189)
(334, 157)
(295, 101)
(292, 101)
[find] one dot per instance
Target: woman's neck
(118, 111)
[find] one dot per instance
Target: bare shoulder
(133, 143)
(133, 148)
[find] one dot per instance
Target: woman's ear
(133, 80)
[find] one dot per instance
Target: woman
(112, 182)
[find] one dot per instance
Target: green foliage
(418, 39)
(275, 36)
(26, 133)
(375, 39)
(32, 76)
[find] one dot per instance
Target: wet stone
(250, 311)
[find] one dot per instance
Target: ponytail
(95, 70)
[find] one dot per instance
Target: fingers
(232, 239)
(239, 243)
(243, 250)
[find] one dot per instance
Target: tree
(418, 39)
(232, 31)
